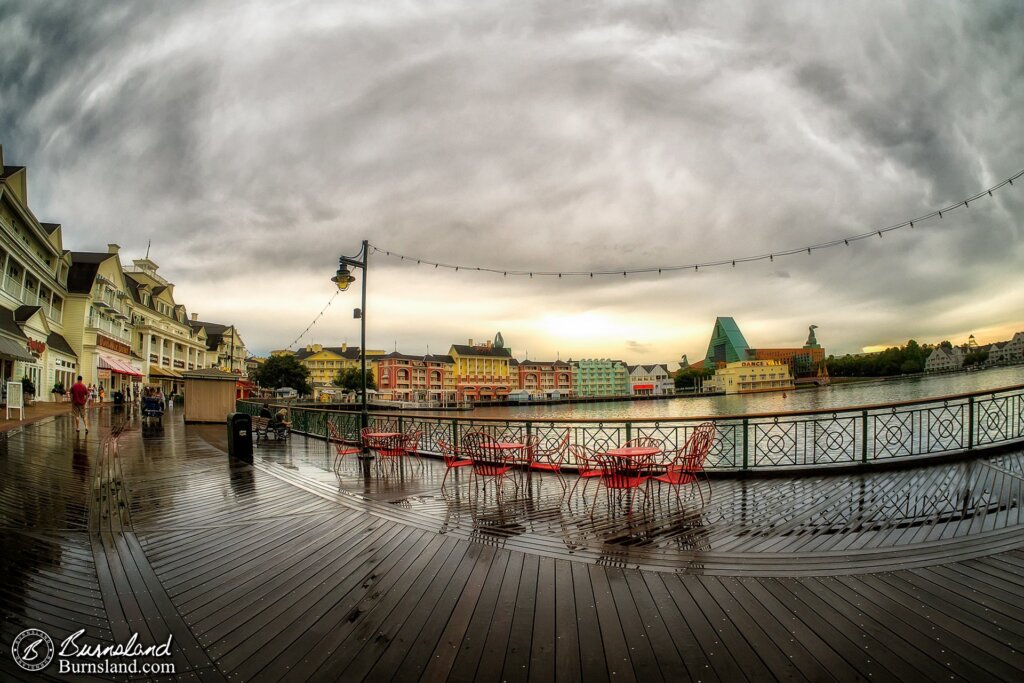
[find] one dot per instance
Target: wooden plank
(457, 652)
(542, 648)
(492, 656)
(616, 650)
(520, 640)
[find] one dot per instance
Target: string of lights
(315, 320)
(770, 256)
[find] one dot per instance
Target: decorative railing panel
(847, 436)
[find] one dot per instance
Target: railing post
(746, 444)
(863, 436)
(970, 423)
(629, 432)
(529, 429)
(401, 428)
(455, 434)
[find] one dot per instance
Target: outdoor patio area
(286, 570)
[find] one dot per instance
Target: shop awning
(157, 371)
(12, 349)
(117, 365)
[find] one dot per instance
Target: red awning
(643, 386)
(117, 365)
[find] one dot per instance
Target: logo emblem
(32, 650)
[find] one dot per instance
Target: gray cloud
(257, 142)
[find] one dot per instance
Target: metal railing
(848, 436)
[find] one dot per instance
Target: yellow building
(326, 362)
(100, 320)
(163, 338)
(33, 293)
(749, 376)
(482, 370)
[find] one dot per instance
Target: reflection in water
(242, 478)
(836, 396)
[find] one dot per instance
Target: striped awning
(157, 371)
(117, 365)
(13, 349)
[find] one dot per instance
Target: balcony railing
(109, 328)
(852, 436)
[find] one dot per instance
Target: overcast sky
(254, 142)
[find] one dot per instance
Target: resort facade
(69, 313)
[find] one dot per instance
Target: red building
(546, 377)
(802, 362)
(401, 377)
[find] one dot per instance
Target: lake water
(835, 396)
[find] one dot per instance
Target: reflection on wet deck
(859, 515)
(282, 570)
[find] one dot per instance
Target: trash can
(240, 436)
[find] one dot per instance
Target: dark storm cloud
(245, 138)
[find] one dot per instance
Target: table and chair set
(625, 473)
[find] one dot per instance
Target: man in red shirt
(79, 400)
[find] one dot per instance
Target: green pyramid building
(727, 343)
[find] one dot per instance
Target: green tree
(283, 371)
(687, 379)
(348, 379)
(975, 358)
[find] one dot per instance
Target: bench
(261, 429)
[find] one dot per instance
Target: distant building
(942, 359)
(650, 380)
(750, 376)
(802, 362)
(325, 363)
(1011, 351)
(402, 377)
(163, 338)
(601, 377)
(550, 379)
(727, 344)
(482, 371)
(225, 347)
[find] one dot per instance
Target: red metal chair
(688, 462)
(341, 448)
(387, 449)
(544, 458)
(624, 475)
(488, 462)
(452, 459)
(588, 466)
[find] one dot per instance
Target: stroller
(152, 408)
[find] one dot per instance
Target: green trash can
(240, 436)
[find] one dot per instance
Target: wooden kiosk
(209, 395)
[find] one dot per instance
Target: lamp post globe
(343, 278)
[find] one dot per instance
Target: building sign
(113, 345)
(36, 347)
(103, 374)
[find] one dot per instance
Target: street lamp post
(343, 278)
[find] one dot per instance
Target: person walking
(79, 401)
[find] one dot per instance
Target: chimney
(344, 347)
(470, 342)
(113, 248)
(195, 317)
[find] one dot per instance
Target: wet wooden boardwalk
(283, 571)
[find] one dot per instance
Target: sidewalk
(37, 411)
